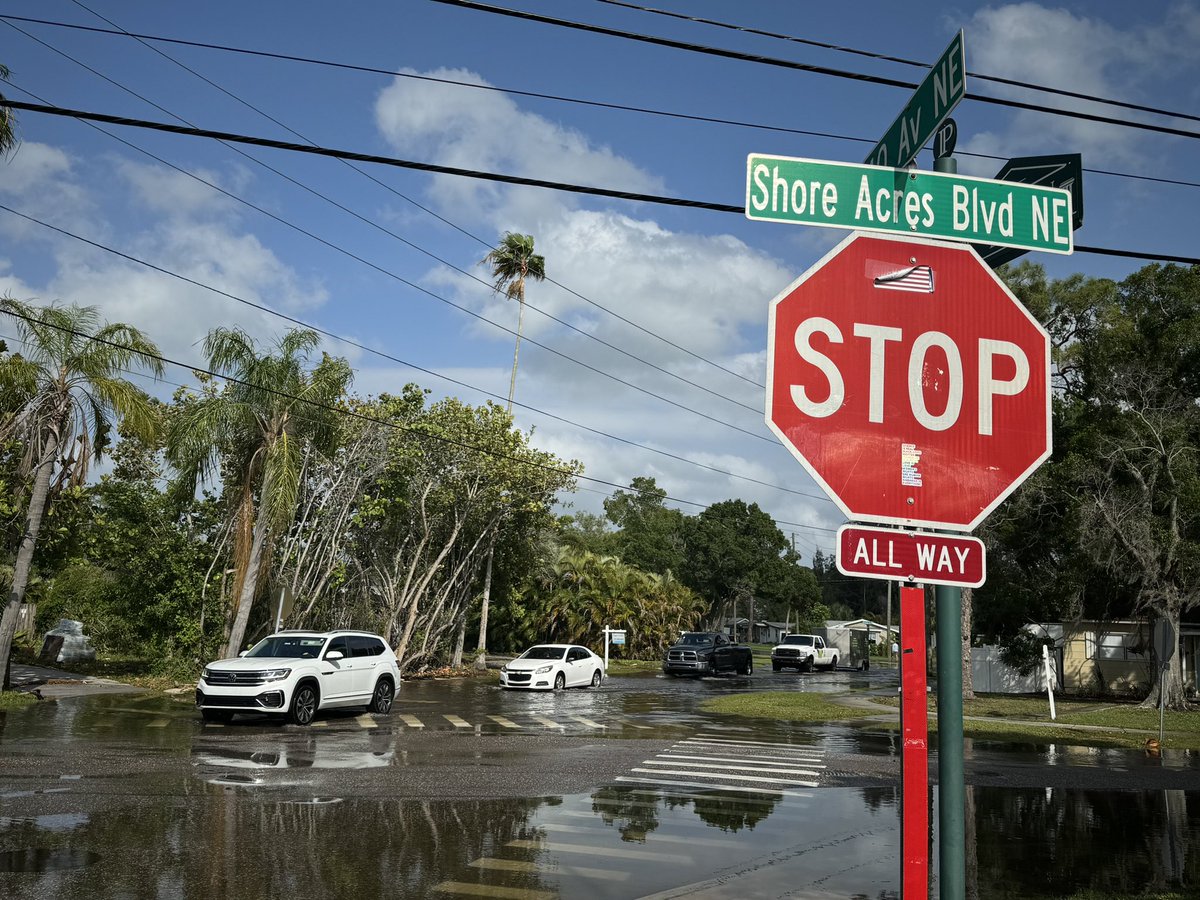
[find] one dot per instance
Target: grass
(633, 666)
(16, 700)
(791, 706)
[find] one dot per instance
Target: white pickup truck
(804, 652)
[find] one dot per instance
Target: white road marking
(367, 722)
(721, 739)
(456, 721)
(633, 724)
(412, 721)
(748, 752)
(708, 785)
(614, 852)
(158, 723)
(588, 722)
(520, 865)
(507, 723)
(727, 768)
(493, 890)
(732, 777)
(764, 763)
(549, 723)
(652, 837)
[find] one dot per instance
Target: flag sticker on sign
(918, 279)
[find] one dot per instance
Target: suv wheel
(381, 700)
(749, 668)
(304, 705)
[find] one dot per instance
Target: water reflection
(634, 812)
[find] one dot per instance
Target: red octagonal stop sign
(909, 381)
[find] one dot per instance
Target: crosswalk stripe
(701, 746)
(549, 723)
(731, 776)
(321, 723)
(779, 745)
(507, 723)
(520, 865)
(367, 722)
(456, 721)
(771, 792)
(493, 890)
(412, 721)
(808, 759)
(651, 838)
(765, 764)
(614, 852)
(588, 722)
(633, 724)
(726, 768)
(158, 723)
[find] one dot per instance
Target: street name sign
(1059, 171)
(909, 381)
(905, 201)
(932, 101)
(890, 554)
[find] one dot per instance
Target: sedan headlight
(543, 670)
(504, 669)
(276, 674)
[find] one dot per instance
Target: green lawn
(16, 700)
(791, 706)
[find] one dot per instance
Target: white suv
(295, 673)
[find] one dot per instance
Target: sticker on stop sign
(909, 381)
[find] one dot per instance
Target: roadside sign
(1060, 171)
(909, 381)
(617, 637)
(890, 554)
(945, 139)
(1164, 641)
(902, 201)
(932, 101)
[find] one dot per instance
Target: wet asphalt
(626, 791)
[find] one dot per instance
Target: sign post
(914, 759)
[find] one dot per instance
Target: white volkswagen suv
(296, 673)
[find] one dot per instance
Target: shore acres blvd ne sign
(932, 101)
(905, 201)
(909, 381)
(893, 555)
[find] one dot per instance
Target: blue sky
(700, 279)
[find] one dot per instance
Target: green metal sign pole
(951, 791)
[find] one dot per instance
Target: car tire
(222, 716)
(597, 678)
(747, 669)
(560, 681)
(833, 665)
(303, 709)
(776, 667)
(809, 664)
(381, 699)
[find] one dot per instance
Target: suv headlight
(276, 674)
(543, 670)
(207, 674)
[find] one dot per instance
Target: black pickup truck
(707, 653)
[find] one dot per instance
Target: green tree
(650, 534)
(8, 120)
(512, 262)
(70, 391)
(253, 433)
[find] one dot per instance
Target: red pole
(914, 729)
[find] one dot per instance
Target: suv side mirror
(333, 655)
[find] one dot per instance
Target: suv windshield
(803, 639)
(695, 640)
(290, 646)
(544, 653)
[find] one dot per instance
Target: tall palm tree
(253, 434)
(61, 397)
(512, 262)
(8, 119)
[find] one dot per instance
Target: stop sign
(909, 381)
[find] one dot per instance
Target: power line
(148, 45)
(809, 42)
(390, 357)
(473, 173)
(354, 414)
(376, 70)
(804, 67)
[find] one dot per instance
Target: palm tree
(512, 262)
(8, 134)
(253, 434)
(61, 397)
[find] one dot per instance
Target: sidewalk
(55, 683)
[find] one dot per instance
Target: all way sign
(905, 201)
(893, 555)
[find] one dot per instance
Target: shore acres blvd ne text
(907, 201)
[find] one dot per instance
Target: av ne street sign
(905, 201)
(933, 100)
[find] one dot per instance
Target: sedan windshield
(292, 646)
(544, 653)
(804, 640)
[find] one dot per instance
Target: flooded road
(630, 791)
